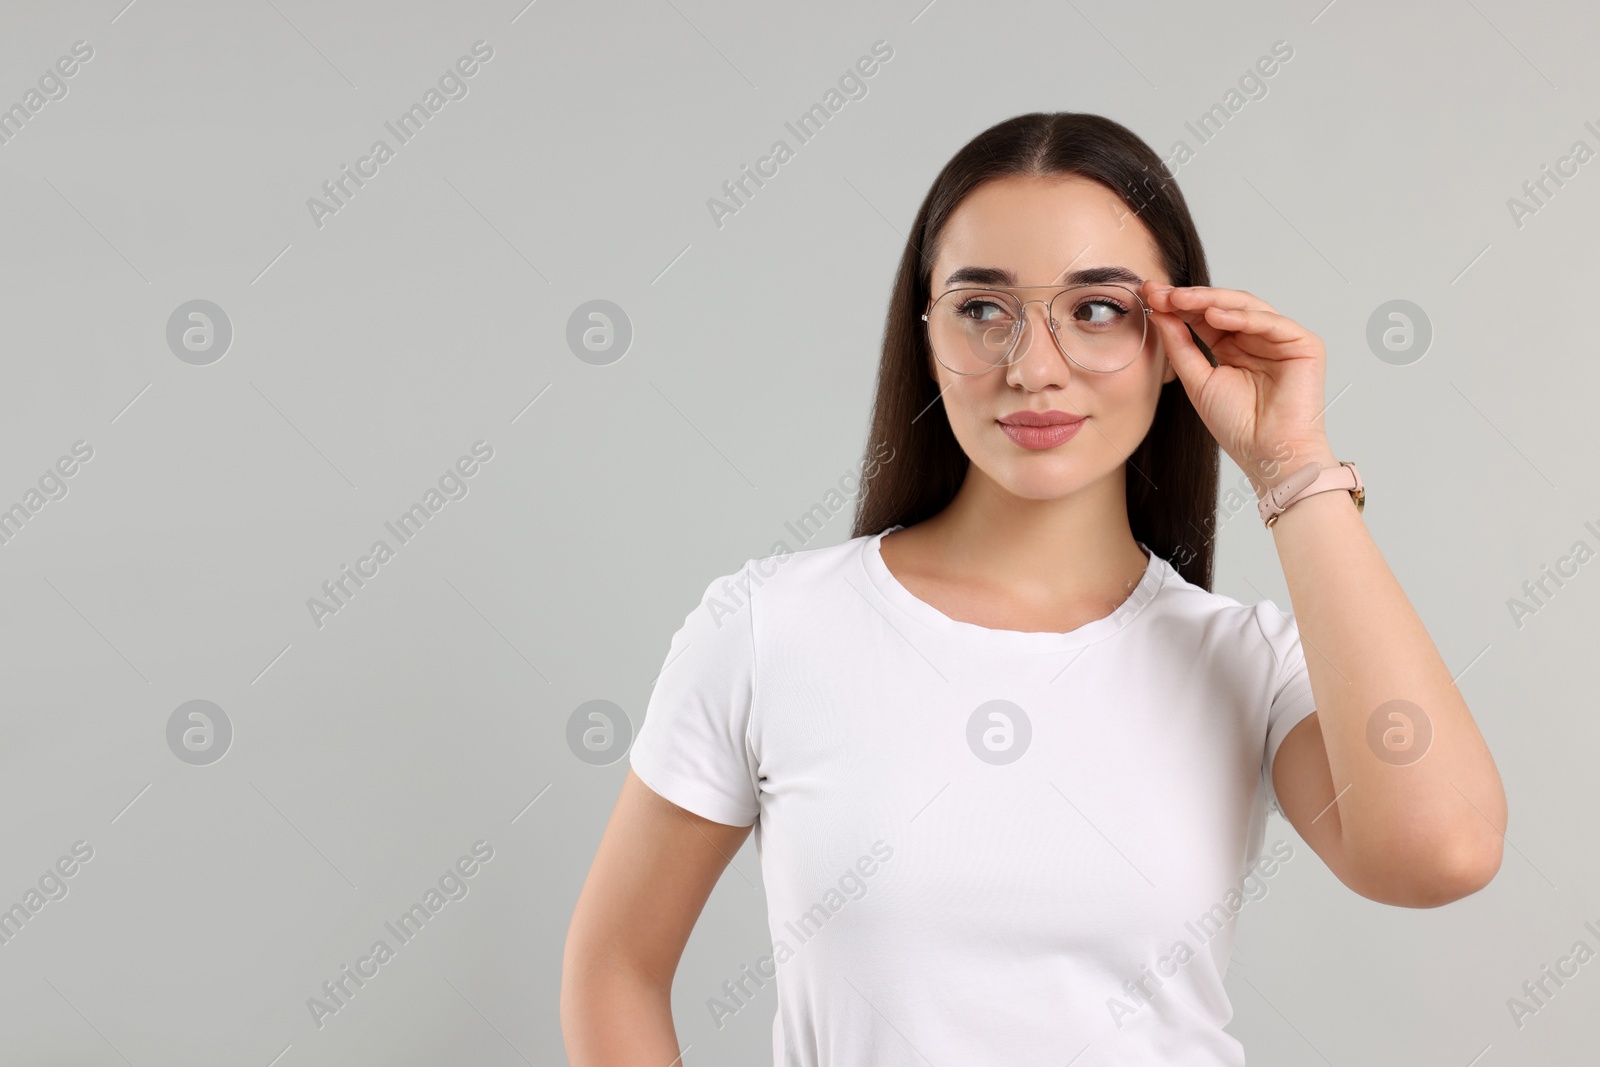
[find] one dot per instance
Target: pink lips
(1037, 430)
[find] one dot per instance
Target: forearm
(1422, 821)
(613, 1017)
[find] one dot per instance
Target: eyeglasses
(1101, 328)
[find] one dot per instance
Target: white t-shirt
(980, 846)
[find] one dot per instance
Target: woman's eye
(1109, 311)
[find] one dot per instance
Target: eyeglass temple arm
(1201, 345)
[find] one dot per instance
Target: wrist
(1269, 471)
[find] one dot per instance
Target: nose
(1037, 345)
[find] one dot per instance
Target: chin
(1038, 477)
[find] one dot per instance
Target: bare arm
(1416, 817)
(1416, 829)
(651, 876)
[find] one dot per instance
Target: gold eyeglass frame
(1022, 321)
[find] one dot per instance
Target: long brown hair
(1172, 475)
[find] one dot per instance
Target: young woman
(1008, 758)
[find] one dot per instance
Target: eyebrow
(1001, 276)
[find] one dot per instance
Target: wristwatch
(1308, 480)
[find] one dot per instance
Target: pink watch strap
(1307, 481)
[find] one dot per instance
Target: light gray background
(432, 312)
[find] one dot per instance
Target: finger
(1268, 325)
(1229, 347)
(1200, 297)
(1195, 319)
(1190, 363)
(1210, 296)
(1161, 303)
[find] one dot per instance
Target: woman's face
(1038, 231)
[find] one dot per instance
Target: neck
(1078, 546)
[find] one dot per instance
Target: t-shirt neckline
(889, 591)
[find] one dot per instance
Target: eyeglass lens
(973, 330)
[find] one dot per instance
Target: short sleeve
(693, 747)
(1291, 697)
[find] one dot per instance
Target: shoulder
(788, 579)
(1222, 622)
(785, 567)
(785, 579)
